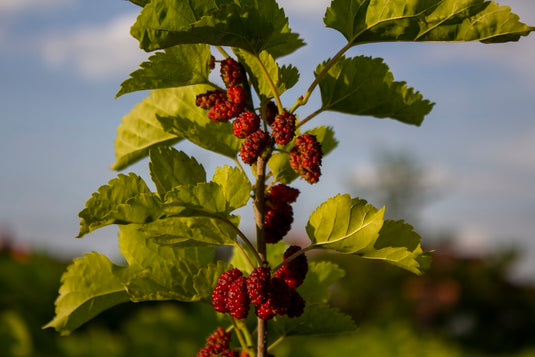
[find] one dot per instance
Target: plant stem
(293, 256)
(302, 100)
(271, 85)
(260, 245)
(222, 51)
(308, 117)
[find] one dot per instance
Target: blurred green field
(461, 307)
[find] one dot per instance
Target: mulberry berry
(295, 271)
(245, 124)
(211, 64)
(237, 95)
(277, 222)
(231, 73)
(222, 112)
(297, 304)
(279, 296)
(271, 112)
(282, 193)
(283, 128)
(238, 299)
(258, 285)
(220, 293)
(254, 145)
(218, 342)
(211, 98)
(305, 157)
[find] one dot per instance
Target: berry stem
(222, 51)
(260, 244)
(271, 85)
(302, 100)
(302, 122)
(247, 242)
(293, 256)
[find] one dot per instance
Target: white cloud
(13, 6)
(96, 52)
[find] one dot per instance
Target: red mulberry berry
(282, 193)
(245, 124)
(265, 311)
(209, 99)
(220, 293)
(283, 128)
(297, 304)
(211, 64)
(222, 112)
(258, 285)
(271, 112)
(237, 95)
(231, 73)
(254, 145)
(295, 271)
(216, 343)
(238, 299)
(305, 157)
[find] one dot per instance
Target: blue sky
(61, 63)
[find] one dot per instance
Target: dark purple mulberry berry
(231, 73)
(297, 304)
(245, 124)
(254, 145)
(282, 193)
(238, 299)
(277, 222)
(220, 293)
(283, 128)
(258, 285)
(271, 112)
(295, 271)
(279, 296)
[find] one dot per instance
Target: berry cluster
(271, 295)
(283, 128)
(223, 106)
(218, 344)
(278, 213)
(305, 157)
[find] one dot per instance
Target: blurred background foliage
(465, 305)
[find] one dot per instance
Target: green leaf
(399, 245)
(140, 2)
(365, 86)
(263, 69)
(279, 162)
(345, 225)
(90, 285)
(177, 66)
(205, 198)
(254, 25)
(235, 185)
(191, 122)
(192, 231)
(205, 280)
(170, 168)
(140, 248)
(321, 275)
(316, 319)
(365, 21)
(140, 130)
(125, 199)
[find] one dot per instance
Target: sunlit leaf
(140, 130)
(206, 278)
(170, 168)
(263, 69)
(177, 66)
(125, 199)
(365, 86)
(364, 21)
(191, 122)
(235, 185)
(90, 285)
(254, 25)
